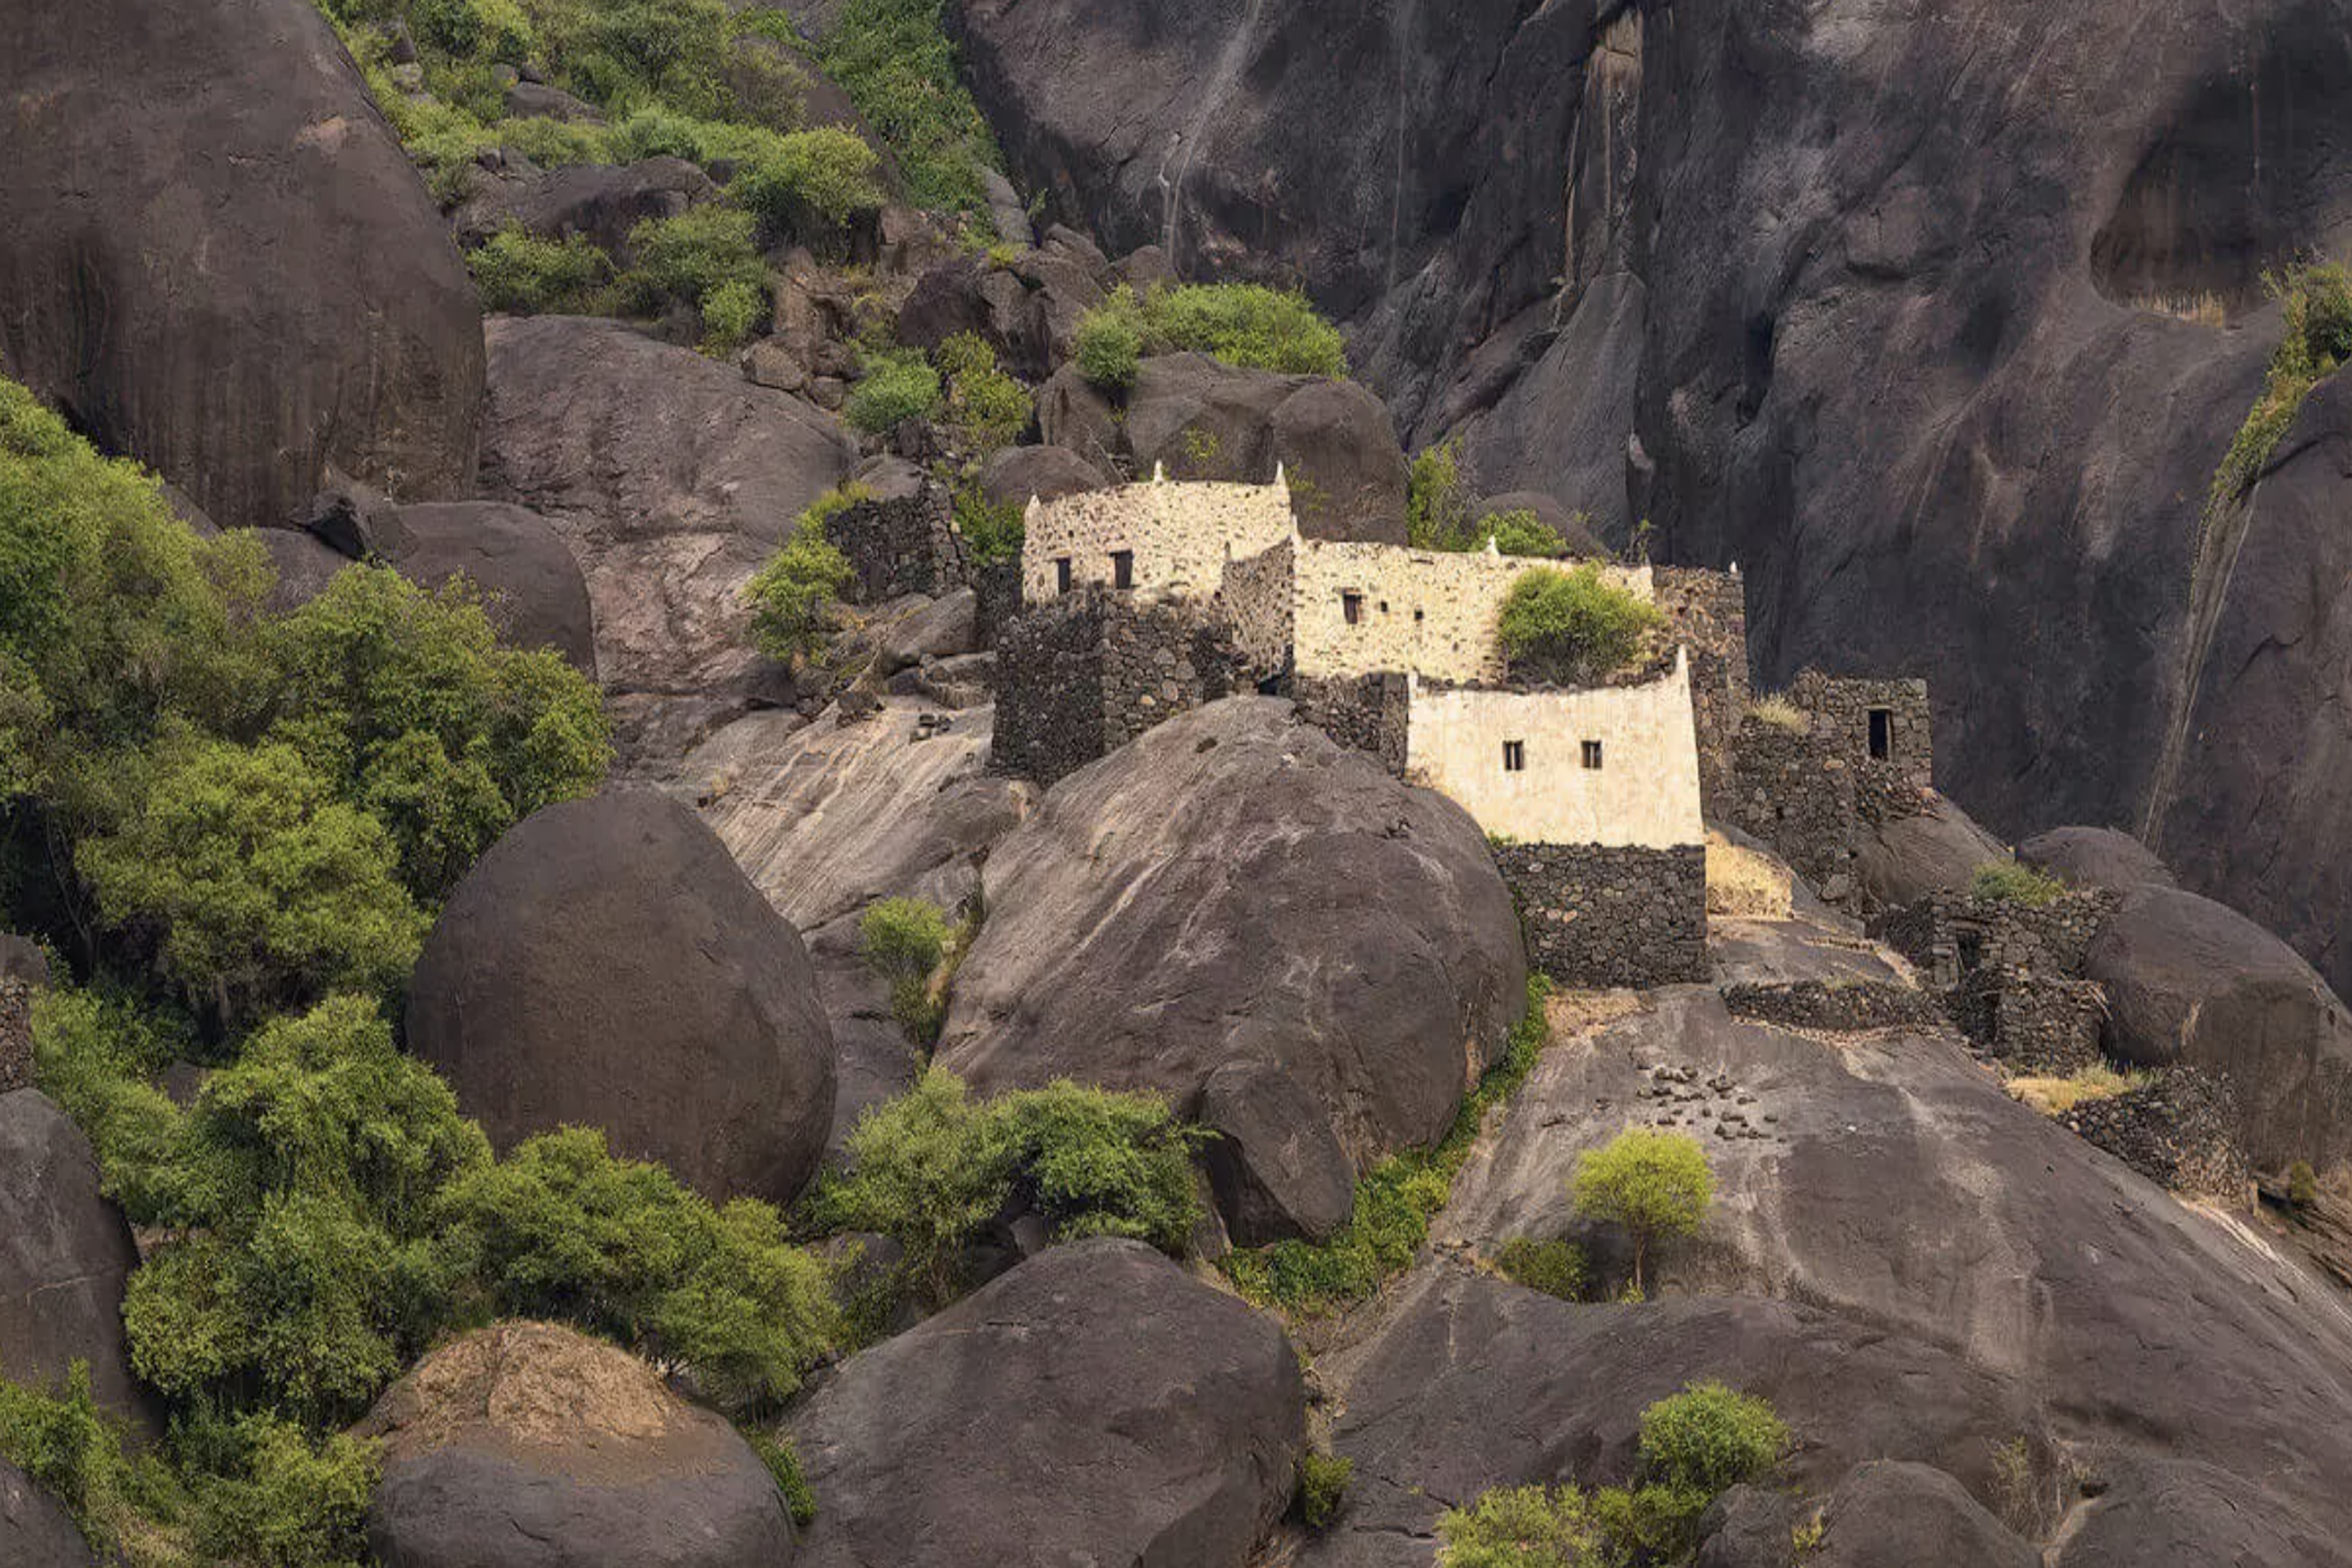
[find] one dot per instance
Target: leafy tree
(1573, 627)
(897, 63)
(1520, 1527)
(254, 884)
(1709, 1438)
(818, 179)
(987, 405)
(1655, 1183)
(562, 1229)
(792, 596)
(991, 532)
(897, 386)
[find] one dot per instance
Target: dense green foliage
(793, 596)
(1521, 533)
(785, 1464)
(1573, 627)
(905, 940)
(931, 1168)
(1240, 323)
(2315, 315)
(1556, 1268)
(992, 534)
(988, 409)
(1655, 1183)
(1393, 1202)
(519, 273)
(1322, 1486)
(897, 63)
(809, 182)
(898, 385)
(2013, 882)
(1438, 506)
(1695, 1446)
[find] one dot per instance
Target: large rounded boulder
(34, 1530)
(2193, 982)
(65, 1252)
(1095, 1405)
(606, 964)
(529, 1446)
(2095, 858)
(1233, 889)
(532, 585)
(238, 284)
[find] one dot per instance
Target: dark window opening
(1351, 606)
(1417, 617)
(1882, 733)
(1061, 574)
(1123, 568)
(1514, 756)
(1384, 606)
(1593, 754)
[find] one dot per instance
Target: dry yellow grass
(2204, 310)
(2057, 1096)
(1777, 711)
(1743, 882)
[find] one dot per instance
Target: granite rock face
(239, 288)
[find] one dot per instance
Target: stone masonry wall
(1707, 611)
(1159, 660)
(907, 545)
(1257, 601)
(1182, 535)
(1846, 705)
(1795, 792)
(996, 587)
(1599, 917)
(1371, 712)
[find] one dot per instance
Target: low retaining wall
(1595, 916)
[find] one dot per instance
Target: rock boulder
(34, 1529)
(530, 584)
(2095, 858)
(607, 965)
(1235, 888)
(236, 287)
(1094, 1406)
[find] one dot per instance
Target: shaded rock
(944, 628)
(1234, 887)
(1887, 1512)
(565, 1452)
(671, 479)
(1016, 474)
(653, 734)
(1347, 476)
(970, 294)
(237, 288)
(2095, 858)
(600, 201)
(2191, 982)
(2155, 1512)
(1095, 1405)
(1276, 1167)
(537, 100)
(23, 959)
(1005, 213)
(1583, 544)
(606, 965)
(35, 1530)
(1939, 850)
(305, 565)
(530, 584)
(65, 1252)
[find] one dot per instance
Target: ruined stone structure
(905, 544)
(1882, 722)
(1600, 915)
(1159, 539)
(1708, 613)
(1080, 678)
(2011, 974)
(1369, 712)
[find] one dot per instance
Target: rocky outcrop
(1939, 850)
(236, 287)
(671, 479)
(561, 1452)
(1018, 474)
(607, 965)
(1201, 419)
(34, 1529)
(1235, 888)
(2095, 858)
(1094, 1406)
(530, 584)
(600, 201)
(65, 1252)
(2192, 982)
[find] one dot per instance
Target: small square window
(1593, 754)
(1061, 574)
(1123, 568)
(1417, 615)
(1352, 606)
(1384, 606)
(1514, 756)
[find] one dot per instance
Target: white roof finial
(1281, 477)
(1735, 568)
(1158, 473)
(1029, 513)
(1492, 548)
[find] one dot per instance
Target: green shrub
(2315, 312)
(1109, 349)
(2302, 1184)
(255, 888)
(2013, 882)
(1655, 1183)
(1393, 1202)
(519, 273)
(627, 52)
(894, 59)
(992, 534)
(792, 596)
(989, 408)
(1650, 1523)
(1573, 627)
(904, 942)
(1322, 1486)
(694, 254)
(97, 1052)
(491, 30)
(285, 1502)
(1437, 506)
(554, 143)
(897, 386)
(819, 179)
(1555, 1268)
(1520, 1527)
(1709, 1438)
(1521, 533)
(731, 314)
(562, 1229)
(785, 1464)
(74, 1453)
(932, 1167)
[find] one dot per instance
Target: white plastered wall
(1182, 535)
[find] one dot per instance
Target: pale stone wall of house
(1182, 535)
(1431, 612)
(1645, 795)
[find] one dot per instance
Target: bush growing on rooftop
(2013, 882)
(1573, 627)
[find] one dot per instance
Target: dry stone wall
(1707, 611)
(901, 545)
(1370, 712)
(1595, 916)
(1178, 536)
(1883, 721)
